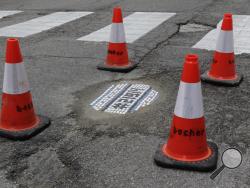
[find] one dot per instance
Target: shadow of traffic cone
(117, 59)
(18, 120)
(187, 146)
(222, 71)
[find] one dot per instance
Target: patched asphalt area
(87, 148)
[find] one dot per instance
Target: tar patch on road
(125, 97)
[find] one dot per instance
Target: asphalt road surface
(87, 148)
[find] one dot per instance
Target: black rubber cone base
(206, 165)
(26, 134)
(236, 82)
(103, 66)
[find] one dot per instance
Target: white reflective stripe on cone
(117, 34)
(225, 42)
(189, 103)
(15, 79)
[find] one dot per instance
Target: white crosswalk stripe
(40, 24)
(136, 25)
(4, 13)
(241, 24)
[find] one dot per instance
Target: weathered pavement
(86, 148)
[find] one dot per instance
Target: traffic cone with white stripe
(187, 146)
(18, 120)
(117, 59)
(223, 69)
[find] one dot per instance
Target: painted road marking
(4, 13)
(124, 98)
(194, 28)
(241, 36)
(128, 99)
(146, 100)
(102, 102)
(136, 25)
(40, 24)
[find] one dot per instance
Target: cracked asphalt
(87, 148)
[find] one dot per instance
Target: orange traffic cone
(222, 70)
(18, 120)
(187, 146)
(117, 59)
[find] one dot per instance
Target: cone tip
(227, 16)
(191, 58)
(13, 52)
(117, 8)
(227, 23)
(117, 15)
(191, 72)
(12, 40)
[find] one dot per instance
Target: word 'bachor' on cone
(223, 68)
(187, 146)
(117, 59)
(18, 120)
